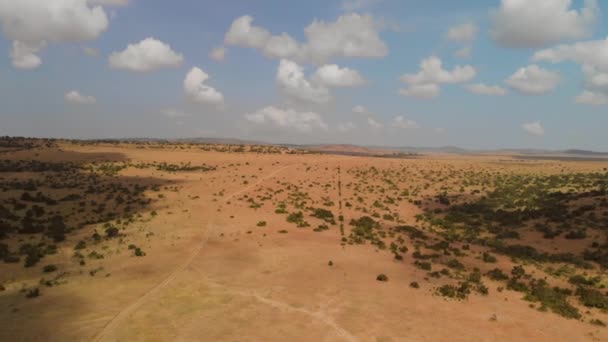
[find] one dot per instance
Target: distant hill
(352, 149)
(585, 153)
(341, 148)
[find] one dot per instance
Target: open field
(190, 242)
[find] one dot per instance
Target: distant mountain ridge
(366, 149)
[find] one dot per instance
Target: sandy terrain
(213, 272)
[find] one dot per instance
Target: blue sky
(142, 93)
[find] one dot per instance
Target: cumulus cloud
(374, 124)
(401, 122)
(175, 113)
(533, 24)
(218, 54)
(464, 33)
(592, 53)
(242, 33)
(282, 46)
(32, 24)
(358, 109)
(287, 119)
(592, 98)
(431, 71)
(351, 35)
(593, 57)
(148, 55)
(196, 89)
(293, 83)
(534, 128)
(423, 91)
(426, 83)
(109, 2)
(332, 75)
(25, 56)
(483, 89)
(77, 98)
(533, 80)
(346, 127)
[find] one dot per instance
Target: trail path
(111, 326)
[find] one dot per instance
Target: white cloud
(592, 98)
(593, 57)
(351, 35)
(218, 54)
(148, 55)
(287, 119)
(358, 109)
(242, 33)
(332, 75)
(464, 33)
(426, 83)
(431, 71)
(401, 122)
(197, 91)
(25, 56)
(534, 128)
(175, 113)
(423, 91)
(282, 46)
(346, 127)
(109, 2)
(483, 89)
(537, 23)
(465, 52)
(292, 82)
(593, 53)
(595, 78)
(89, 51)
(77, 98)
(32, 24)
(374, 124)
(533, 80)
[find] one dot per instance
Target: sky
(478, 74)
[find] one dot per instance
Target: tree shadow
(47, 198)
(566, 207)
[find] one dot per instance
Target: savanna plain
(162, 241)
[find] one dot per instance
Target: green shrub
(552, 298)
(32, 259)
(592, 298)
(455, 292)
(49, 268)
(497, 274)
(489, 258)
(32, 293)
(455, 264)
(112, 232)
(382, 277)
(80, 245)
(580, 280)
(423, 265)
